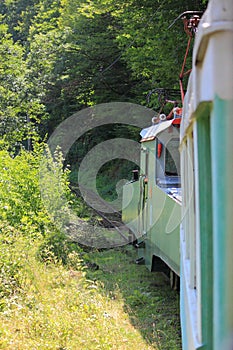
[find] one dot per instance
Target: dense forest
(59, 57)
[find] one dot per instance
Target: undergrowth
(51, 297)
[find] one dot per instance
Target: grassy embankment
(52, 298)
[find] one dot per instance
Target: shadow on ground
(152, 306)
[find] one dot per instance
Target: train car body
(194, 236)
(207, 194)
(152, 203)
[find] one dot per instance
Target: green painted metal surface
(206, 229)
(152, 214)
(131, 197)
(163, 234)
(222, 165)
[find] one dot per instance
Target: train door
(143, 202)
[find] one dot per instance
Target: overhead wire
(103, 70)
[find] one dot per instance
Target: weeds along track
(152, 306)
(109, 222)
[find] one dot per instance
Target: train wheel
(174, 281)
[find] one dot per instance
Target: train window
(172, 158)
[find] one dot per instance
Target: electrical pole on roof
(190, 20)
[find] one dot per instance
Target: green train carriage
(193, 237)
(206, 241)
(153, 214)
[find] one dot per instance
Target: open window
(172, 158)
(168, 164)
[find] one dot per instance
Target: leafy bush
(10, 264)
(58, 248)
(19, 193)
(25, 219)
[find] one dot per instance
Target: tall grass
(47, 301)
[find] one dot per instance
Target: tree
(79, 53)
(18, 15)
(19, 110)
(152, 49)
(72, 48)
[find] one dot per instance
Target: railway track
(165, 310)
(110, 231)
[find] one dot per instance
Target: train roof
(149, 134)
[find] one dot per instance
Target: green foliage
(20, 111)
(56, 58)
(152, 306)
(82, 53)
(69, 309)
(26, 222)
(46, 300)
(151, 49)
(10, 263)
(59, 56)
(111, 178)
(19, 193)
(112, 172)
(58, 248)
(54, 187)
(18, 15)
